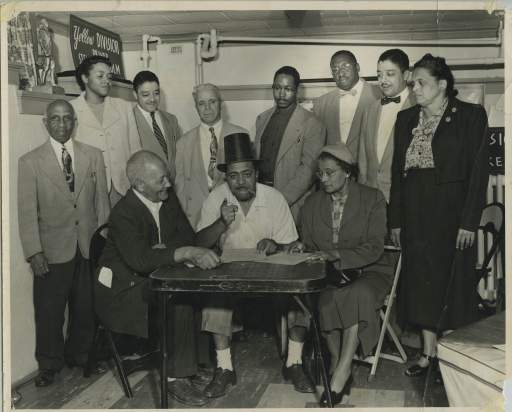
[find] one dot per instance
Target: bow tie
(386, 100)
(352, 92)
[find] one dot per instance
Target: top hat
(237, 148)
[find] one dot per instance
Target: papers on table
(252, 255)
(500, 347)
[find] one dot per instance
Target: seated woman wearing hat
(345, 225)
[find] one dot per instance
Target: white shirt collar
(216, 127)
(152, 206)
(358, 87)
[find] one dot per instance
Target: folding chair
(385, 315)
(492, 229)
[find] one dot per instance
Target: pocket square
(105, 277)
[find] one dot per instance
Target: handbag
(340, 278)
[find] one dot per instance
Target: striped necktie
(213, 154)
(67, 168)
(158, 134)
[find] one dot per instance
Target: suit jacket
(117, 137)
(327, 108)
(129, 254)
(148, 140)
(461, 156)
(372, 172)
(301, 144)
(191, 177)
(53, 220)
(362, 230)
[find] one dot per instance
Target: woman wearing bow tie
(438, 188)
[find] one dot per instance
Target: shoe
(45, 378)
(416, 370)
(337, 397)
(301, 382)
(202, 377)
(97, 368)
(183, 391)
(222, 379)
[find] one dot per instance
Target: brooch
(448, 119)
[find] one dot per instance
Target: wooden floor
(260, 385)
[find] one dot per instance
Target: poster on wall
(88, 40)
(497, 150)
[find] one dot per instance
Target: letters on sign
(497, 150)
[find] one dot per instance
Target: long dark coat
(431, 205)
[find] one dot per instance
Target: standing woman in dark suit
(439, 182)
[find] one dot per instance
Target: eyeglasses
(345, 67)
(329, 173)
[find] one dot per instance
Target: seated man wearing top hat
(241, 213)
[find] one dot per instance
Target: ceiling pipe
(144, 55)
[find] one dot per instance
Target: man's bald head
(60, 120)
(149, 175)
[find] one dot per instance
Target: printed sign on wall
(497, 150)
(89, 40)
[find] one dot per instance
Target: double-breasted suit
(171, 131)
(327, 108)
(191, 177)
(301, 143)
(117, 137)
(59, 224)
(373, 172)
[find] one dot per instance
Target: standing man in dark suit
(158, 130)
(288, 140)
(342, 110)
(376, 145)
(62, 199)
(148, 229)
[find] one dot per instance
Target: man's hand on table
(266, 246)
(295, 247)
(198, 256)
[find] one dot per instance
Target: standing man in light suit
(199, 151)
(158, 130)
(62, 200)
(342, 110)
(105, 122)
(376, 145)
(288, 141)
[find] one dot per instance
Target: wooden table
(300, 281)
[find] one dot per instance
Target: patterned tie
(213, 154)
(67, 168)
(158, 134)
(386, 100)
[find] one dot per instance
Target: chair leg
(397, 343)
(379, 346)
(119, 365)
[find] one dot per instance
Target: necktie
(352, 92)
(213, 154)
(158, 134)
(386, 100)
(67, 168)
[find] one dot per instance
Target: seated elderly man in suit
(147, 229)
(241, 213)
(158, 130)
(62, 199)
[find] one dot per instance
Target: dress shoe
(222, 379)
(46, 377)
(337, 397)
(417, 370)
(301, 382)
(183, 391)
(97, 368)
(202, 377)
